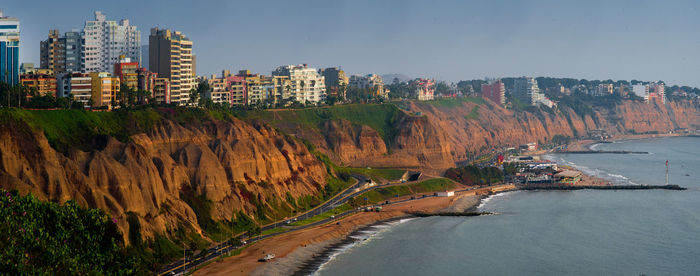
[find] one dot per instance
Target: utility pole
(666, 172)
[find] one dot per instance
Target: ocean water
(645, 232)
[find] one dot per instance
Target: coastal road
(177, 267)
(356, 189)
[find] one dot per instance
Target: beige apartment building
(170, 55)
(104, 89)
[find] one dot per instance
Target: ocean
(585, 232)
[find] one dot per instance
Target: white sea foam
(491, 197)
(618, 176)
(362, 237)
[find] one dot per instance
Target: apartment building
(256, 87)
(128, 72)
(604, 89)
(305, 83)
(106, 41)
(9, 49)
(170, 55)
(495, 92)
(372, 82)
(52, 52)
(281, 89)
(78, 85)
(336, 80)
(526, 90)
(42, 83)
(104, 89)
(219, 90)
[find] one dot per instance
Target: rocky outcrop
(221, 161)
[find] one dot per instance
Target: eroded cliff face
(434, 137)
(234, 164)
(222, 161)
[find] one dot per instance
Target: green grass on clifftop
(376, 174)
(71, 128)
(454, 102)
(388, 193)
(380, 117)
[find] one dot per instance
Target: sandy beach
(296, 248)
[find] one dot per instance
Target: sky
(445, 40)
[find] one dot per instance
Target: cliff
(434, 135)
(165, 172)
(198, 170)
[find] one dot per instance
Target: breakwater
(611, 187)
(451, 214)
(603, 151)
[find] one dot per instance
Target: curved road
(177, 267)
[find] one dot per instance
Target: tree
(45, 238)
(441, 88)
(194, 97)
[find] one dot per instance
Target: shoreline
(305, 250)
(312, 241)
(324, 254)
(463, 203)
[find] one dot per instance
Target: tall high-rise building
(306, 85)
(53, 52)
(526, 90)
(494, 91)
(73, 47)
(9, 49)
(105, 41)
(170, 55)
(336, 80)
(61, 54)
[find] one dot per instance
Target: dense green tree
(44, 238)
(473, 175)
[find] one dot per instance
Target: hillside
(193, 175)
(180, 172)
(434, 135)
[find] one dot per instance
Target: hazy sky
(448, 40)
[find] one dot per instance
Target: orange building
(45, 84)
(104, 89)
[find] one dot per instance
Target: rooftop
(568, 173)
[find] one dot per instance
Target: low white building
(445, 194)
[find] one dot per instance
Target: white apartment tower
(306, 84)
(105, 41)
(526, 90)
